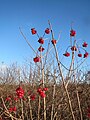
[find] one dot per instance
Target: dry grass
(61, 107)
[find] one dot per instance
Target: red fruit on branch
(79, 55)
(33, 31)
(10, 109)
(41, 49)
(67, 54)
(41, 40)
(36, 59)
(84, 44)
(73, 48)
(86, 55)
(20, 92)
(24, 98)
(14, 108)
(42, 94)
(39, 90)
(45, 89)
(16, 99)
(54, 42)
(8, 98)
(32, 97)
(72, 33)
(47, 31)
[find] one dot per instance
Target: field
(30, 106)
(47, 89)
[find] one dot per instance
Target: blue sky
(36, 13)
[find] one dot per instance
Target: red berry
(42, 94)
(54, 42)
(47, 31)
(29, 92)
(32, 97)
(36, 59)
(33, 31)
(72, 33)
(8, 98)
(79, 55)
(14, 108)
(86, 55)
(67, 54)
(41, 41)
(39, 90)
(73, 48)
(41, 49)
(10, 109)
(20, 92)
(84, 44)
(45, 89)
(24, 98)
(16, 99)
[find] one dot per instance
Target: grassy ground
(61, 109)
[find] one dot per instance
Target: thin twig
(39, 99)
(30, 109)
(59, 66)
(27, 41)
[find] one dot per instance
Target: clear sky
(36, 13)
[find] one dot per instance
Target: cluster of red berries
(72, 33)
(42, 92)
(41, 49)
(36, 59)
(67, 54)
(84, 44)
(8, 98)
(74, 48)
(33, 97)
(41, 41)
(13, 109)
(20, 92)
(54, 42)
(33, 31)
